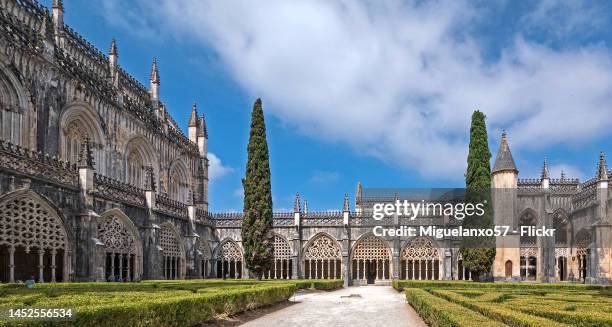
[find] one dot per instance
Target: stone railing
(203, 217)
(36, 165)
(323, 218)
(529, 185)
(114, 190)
(171, 207)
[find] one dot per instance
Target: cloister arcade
(282, 266)
(229, 260)
(34, 242)
(371, 260)
(173, 252)
(204, 255)
(420, 260)
(122, 247)
(322, 258)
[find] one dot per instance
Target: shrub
(439, 312)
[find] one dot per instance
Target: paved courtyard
(352, 306)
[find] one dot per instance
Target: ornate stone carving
(169, 242)
(229, 251)
(529, 252)
(420, 248)
(371, 247)
(204, 250)
(26, 222)
(115, 236)
(282, 250)
(324, 248)
(115, 190)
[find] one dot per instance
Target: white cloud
(216, 170)
(565, 19)
(323, 176)
(396, 80)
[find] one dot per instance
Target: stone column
(53, 254)
(11, 251)
(41, 253)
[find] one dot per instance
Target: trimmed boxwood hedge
(401, 284)
(439, 312)
(152, 303)
(494, 311)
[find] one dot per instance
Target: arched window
(527, 219)
(281, 269)
(371, 260)
(14, 116)
(139, 155)
(560, 225)
(229, 260)
(420, 260)
(77, 122)
(33, 241)
(173, 254)
(178, 182)
(322, 258)
(135, 169)
(122, 254)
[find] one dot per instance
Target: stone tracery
(27, 224)
(229, 260)
(371, 259)
(420, 260)
(173, 255)
(322, 258)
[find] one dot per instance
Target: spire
(345, 207)
(149, 179)
(154, 72)
(154, 82)
(358, 193)
(545, 173)
(202, 132)
(86, 156)
(305, 207)
(193, 119)
(602, 170)
(562, 175)
(504, 160)
(113, 48)
(59, 4)
(297, 206)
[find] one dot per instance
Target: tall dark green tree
(257, 221)
(478, 252)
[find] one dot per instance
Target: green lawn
(151, 303)
(509, 304)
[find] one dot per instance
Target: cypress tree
(478, 252)
(257, 221)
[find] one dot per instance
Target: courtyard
(350, 306)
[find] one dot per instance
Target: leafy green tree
(257, 221)
(478, 252)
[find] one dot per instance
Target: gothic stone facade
(97, 182)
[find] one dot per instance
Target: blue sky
(380, 92)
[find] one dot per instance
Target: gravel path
(352, 306)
